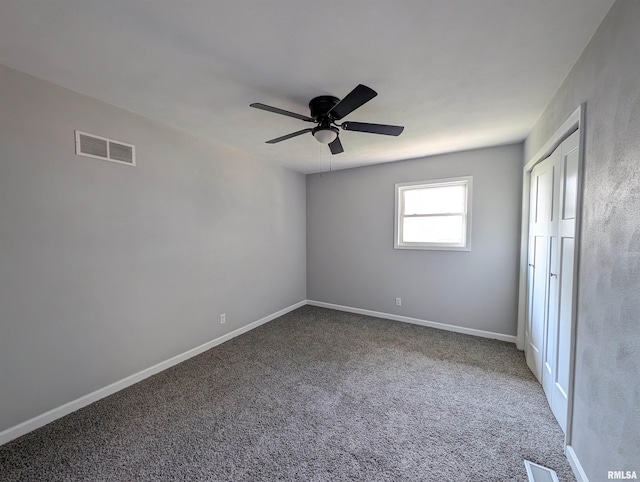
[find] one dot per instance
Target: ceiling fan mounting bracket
(320, 106)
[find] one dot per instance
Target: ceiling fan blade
(354, 99)
(289, 136)
(336, 146)
(373, 128)
(275, 110)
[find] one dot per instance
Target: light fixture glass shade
(325, 136)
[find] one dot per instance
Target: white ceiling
(458, 74)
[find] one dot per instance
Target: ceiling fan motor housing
(320, 107)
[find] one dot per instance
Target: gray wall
(350, 255)
(106, 269)
(606, 418)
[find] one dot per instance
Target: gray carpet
(312, 396)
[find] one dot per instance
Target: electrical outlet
(223, 319)
(398, 301)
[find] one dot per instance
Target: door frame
(575, 122)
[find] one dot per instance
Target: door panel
(564, 332)
(565, 265)
(541, 203)
(570, 182)
(538, 303)
(551, 336)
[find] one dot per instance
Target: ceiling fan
(326, 110)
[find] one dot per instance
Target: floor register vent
(538, 473)
(90, 145)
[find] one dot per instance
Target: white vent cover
(90, 145)
(538, 473)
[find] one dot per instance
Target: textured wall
(350, 255)
(106, 269)
(606, 419)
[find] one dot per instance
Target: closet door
(540, 217)
(562, 262)
(550, 348)
(550, 303)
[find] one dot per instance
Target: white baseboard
(575, 464)
(47, 417)
(416, 321)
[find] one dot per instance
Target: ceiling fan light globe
(325, 136)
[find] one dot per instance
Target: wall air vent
(90, 145)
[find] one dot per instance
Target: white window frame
(466, 181)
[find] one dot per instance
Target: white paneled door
(551, 259)
(539, 226)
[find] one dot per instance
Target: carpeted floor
(315, 395)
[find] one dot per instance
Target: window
(434, 214)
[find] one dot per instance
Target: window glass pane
(433, 229)
(435, 200)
